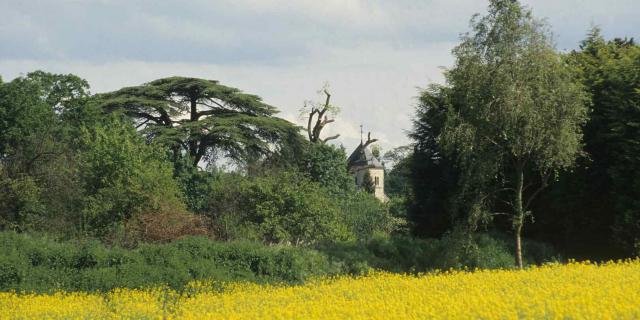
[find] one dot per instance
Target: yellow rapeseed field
(572, 291)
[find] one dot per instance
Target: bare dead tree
(369, 140)
(318, 119)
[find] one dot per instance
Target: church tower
(362, 162)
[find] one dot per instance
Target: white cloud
(373, 53)
(374, 85)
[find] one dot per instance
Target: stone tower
(361, 162)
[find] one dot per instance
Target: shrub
(327, 165)
(397, 254)
(122, 175)
(20, 201)
(408, 254)
(365, 216)
(42, 265)
(490, 253)
(11, 272)
(164, 225)
(284, 207)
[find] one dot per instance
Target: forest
(524, 155)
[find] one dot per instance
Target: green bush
(454, 250)
(42, 265)
(365, 216)
(327, 165)
(122, 175)
(284, 207)
(11, 272)
(396, 254)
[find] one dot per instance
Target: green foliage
(36, 163)
(39, 264)
(365, 216)
(284, 207)
(454, 250)
(42, 265)
(224, 206)
(64, 166)
(288, 208)
(20, 202)
(327, 165)
(122, 175)
(375, 150)
(397, 207)
(24, 117)
(433, 174)
(28, 107)
(397, 180)
(597, 203)
(512, 99)
(61, 92)
(515, 111)
(201, 118)
(196, 184)
(610, 70)
(367, 183)
(481, 251)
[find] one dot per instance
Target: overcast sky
(375, 55)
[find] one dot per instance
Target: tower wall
(377, 175)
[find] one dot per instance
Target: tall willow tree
(202, 118)
(515, 111)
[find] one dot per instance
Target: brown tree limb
(318, 117)
(369, 140)
(331, 137)
(543, 185)
(309, 130)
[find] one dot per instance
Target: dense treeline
(75, 165)
(522, 147)
(586, 207)
(594, 210)
(82, 168)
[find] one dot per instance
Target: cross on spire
(360, 133)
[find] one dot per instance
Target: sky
(374, 55)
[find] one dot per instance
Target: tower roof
(363, 157)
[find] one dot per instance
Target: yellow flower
(573, 291)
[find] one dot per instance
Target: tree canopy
(435, 202)
(35, 162)
(597, 203)
(201, 119)
(516, 110)
(611, 72)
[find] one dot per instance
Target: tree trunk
(518, 219)
(193, 142)
(518, 247)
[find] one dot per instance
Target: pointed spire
(360, 133)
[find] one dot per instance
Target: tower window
(377, 181)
